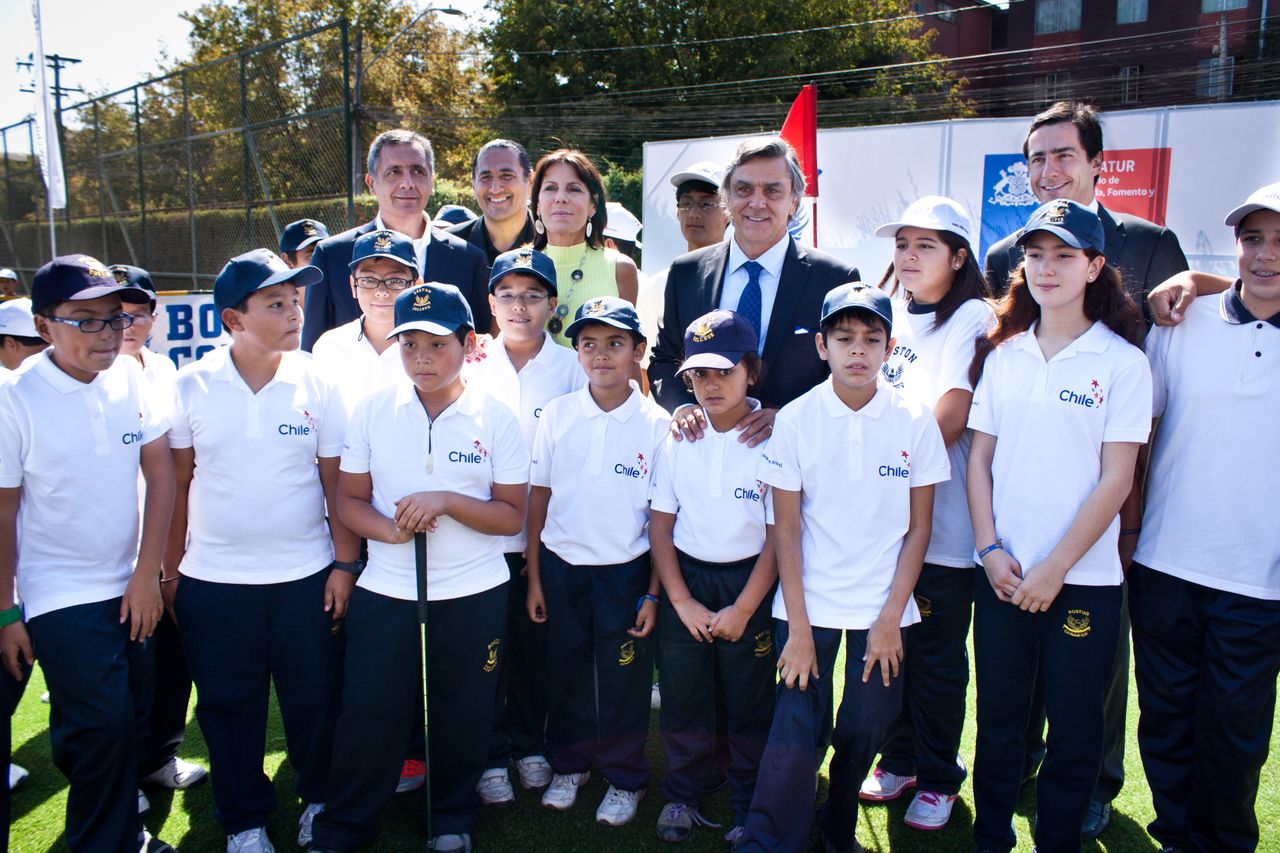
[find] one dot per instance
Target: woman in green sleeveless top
(569, 218)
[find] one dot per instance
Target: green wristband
(8, 617)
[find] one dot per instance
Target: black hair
(967, 283)
(526, 166)
(626, 247)
(636, 337)
(461, 334)
(24, 340)
(753, 363)
(1083, 116)
(695, 185)
(862, 315)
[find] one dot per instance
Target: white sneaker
(655, 698)
(534, 772)
(44, 697)
(176, 774)
(562, 793)
(880, 787)
(304, 823)
(618, 806)
(929, 810)
(451, 843)
(144, 805)
(17, 775)
(250, 841)
(495, 789)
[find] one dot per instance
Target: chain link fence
(181, 172)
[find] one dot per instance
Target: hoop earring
(539, 227)
(588, 227)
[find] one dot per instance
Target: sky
(119, 42)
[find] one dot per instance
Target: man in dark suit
(761, 273)
(1064, 158)
(500, 181)
(401, 175)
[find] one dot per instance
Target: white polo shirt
(469, 447)
(1050, 420)
(256, 511)
(925, 364)
(597, 465)
(345, 357)
(73, 447)
(855, 472)
(554, 371)
(1210, 514)
(710, 486)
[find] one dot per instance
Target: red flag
(801, 130)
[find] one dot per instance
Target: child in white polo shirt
(852, 465)
(1063, 404)
(256, 435)
(426, 454)
(523, 369)
(75, 428)
(1205, 585)
(940, 309)
(18, 338)
(710, 548)
(362, 356)
(589, 573)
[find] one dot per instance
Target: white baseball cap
(622, 224)
(16, 319)
(705, 171)
(1267, 198)
(5, 272)
(934, 212)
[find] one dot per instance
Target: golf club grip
(420, 567)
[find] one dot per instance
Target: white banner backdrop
(1184, 166)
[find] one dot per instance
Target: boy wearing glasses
(257, 433)
(358, 357)
(523, 369)
(75, 429)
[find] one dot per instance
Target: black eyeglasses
(93, 325)
(522, 298)
(368, 282)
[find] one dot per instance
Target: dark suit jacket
(449, 260)
(1145, 253)
(791, 362)
(477, 235)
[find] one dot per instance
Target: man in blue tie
(764, 275)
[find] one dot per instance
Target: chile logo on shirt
(1089, 399)
(900, 468)
(638, 470)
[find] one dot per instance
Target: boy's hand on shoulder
(417, 512)
(141, 606)
(337, 593)
(688, 422)
(15, 645)
(1004, 573)
(695, 617)
(756, 426)
(646, 619)
(798, 660)
(729, 623)
(534, 603)
(884, 646)
(1037, 592)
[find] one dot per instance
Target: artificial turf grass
(185, 818)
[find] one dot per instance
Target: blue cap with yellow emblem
(434, 308)
(1069, 221)
(717, 341)
(609, 310)
(391, 245)
(301, 234)
(528, 261)
(72, 277)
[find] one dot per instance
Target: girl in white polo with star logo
(1059, 413)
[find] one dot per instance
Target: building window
(1129, 76)
(1053, 87)
(946, 12)
(1208, 7)
(1061, 16)
(1215, 77)
(1133, 11)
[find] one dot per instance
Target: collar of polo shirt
(1093, 340)
(290, 369)
(621, 413)
(837, 408)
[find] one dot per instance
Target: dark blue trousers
(1074, 643)
(520, 725)
(925, 739)
(589, 609)
(788, 779)
(240, 638)
(690, 672)
(382, 703)
(1206, 663)
(168, 721)
(100, 686)
(10, 695)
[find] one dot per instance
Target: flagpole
(46, 125)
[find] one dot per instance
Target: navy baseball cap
(1069, 221)
(453, 214)
(301, 234)
(434, 308)
(527, 261)
(139, 288)
(861, 296)
(718, 340)
(71, 277)
(246, 274)
(609, 310)
(384, 244)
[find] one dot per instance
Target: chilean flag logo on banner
(800, 130)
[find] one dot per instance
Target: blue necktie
(749, 303)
